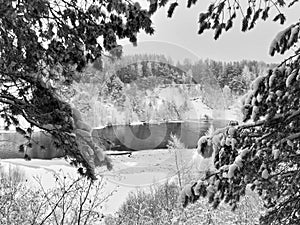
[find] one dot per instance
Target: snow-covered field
(141, 170)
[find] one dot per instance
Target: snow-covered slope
(116, 181)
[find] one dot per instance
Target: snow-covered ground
(41, 169)
(196, 108)
(141, 170)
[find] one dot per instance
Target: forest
(121, 84)
(63, 73)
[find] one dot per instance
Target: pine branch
(277, 117)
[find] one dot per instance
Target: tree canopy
(47, 42)
(263, 153)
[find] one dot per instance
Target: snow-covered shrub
(175, 143)
(70, 201)
(17, 201)
(160, 206)
(156, 206)
(175, 147)
(202, 213)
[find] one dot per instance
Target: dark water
(156, 136)
(42, 146)
(121, 137)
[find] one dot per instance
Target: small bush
(160, 206)
(175, 143)
(71, 201)
(155, 206)
(17, 201)
(202, 213)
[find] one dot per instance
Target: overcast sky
(178, 38)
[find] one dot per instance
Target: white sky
(178, 38)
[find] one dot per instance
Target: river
(133, 137)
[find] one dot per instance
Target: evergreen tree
(114, 90)
(264, 154)
(47, 42)
(247, 75)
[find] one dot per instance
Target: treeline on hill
(236, 75)
(148, 71)
(132, 87)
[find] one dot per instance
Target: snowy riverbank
(141, 170)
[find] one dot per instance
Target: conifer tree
(264, 153)
(43, 42)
